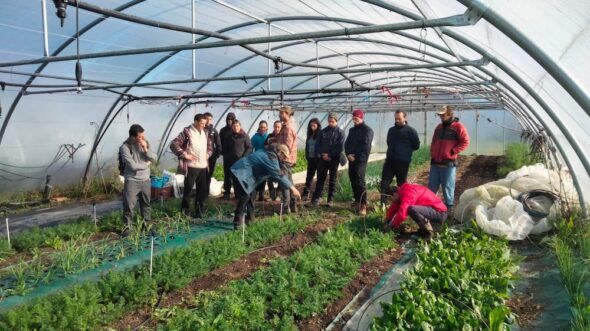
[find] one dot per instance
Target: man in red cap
(420, 203)
(357, 148)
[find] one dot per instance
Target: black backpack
(121, 161)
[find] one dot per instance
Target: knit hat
(332, 115)
(358, 113)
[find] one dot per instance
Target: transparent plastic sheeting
(497, 211)
(35, 125)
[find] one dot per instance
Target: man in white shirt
(193, 149)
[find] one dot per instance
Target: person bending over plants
(253, 169)
(420, 203)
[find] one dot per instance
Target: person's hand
(143, 145)
(295, 193)
(350, 157)
(325, 157)
(149, 163)
(190, 157)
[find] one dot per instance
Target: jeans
(443, 177)
(356, 173)
(134, 189)
(323, 168)
(393, 168)
(197, 177)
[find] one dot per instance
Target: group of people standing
(267, 159)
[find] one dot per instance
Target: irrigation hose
(526, 197)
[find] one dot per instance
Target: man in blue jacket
(329, 145)
(357, 148)
(402, 141)
(256, 168)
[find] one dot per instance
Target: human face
(357, 120)
(277, 128)
(332, 122)
(400, 119)
(313, 126)
(236, 127)
(140, 137)
(284, 116)
(444, 117)
(200, 125)
(209, 120)
(262, 128)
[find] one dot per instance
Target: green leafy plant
(459, 280)
(517, 156)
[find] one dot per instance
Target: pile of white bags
(496, 210)
(215, 188)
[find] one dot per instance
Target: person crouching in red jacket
(420, 203)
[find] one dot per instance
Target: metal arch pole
(552, 67)
(45, 34)
(573, 142)
(317, 61)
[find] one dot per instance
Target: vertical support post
(269, 50)
(193, 36)
(194, 39)
(151, 256)
(7, 231)
(281, 213)
(317, 62)
(425, 127)
(477, 132)
(242, 219)
(349, 93)
(504, 132)
(370, 82)
(161, 200)
(45, 34)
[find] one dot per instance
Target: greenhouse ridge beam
(457, 20)
(250, 77)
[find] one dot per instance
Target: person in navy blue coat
(402, 141)
(329, 146)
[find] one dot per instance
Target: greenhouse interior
(294, 165)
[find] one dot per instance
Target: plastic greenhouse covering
(512, 68)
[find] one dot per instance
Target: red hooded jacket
(448, 140)
(412, 195)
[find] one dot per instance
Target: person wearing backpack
(134, 165)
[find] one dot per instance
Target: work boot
(273, 194)
(314, 203)
(226, 196)
(363, 209)
(238, 221)
(293, 207)
(330, 203)
(305, 194)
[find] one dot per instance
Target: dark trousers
(393, 168)
(288, 200)
(132, 191)
(227, 177)
(197, 177)
(424, 214)
(312, 167)
(323, 168)
(356, 173)
(245, 205)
